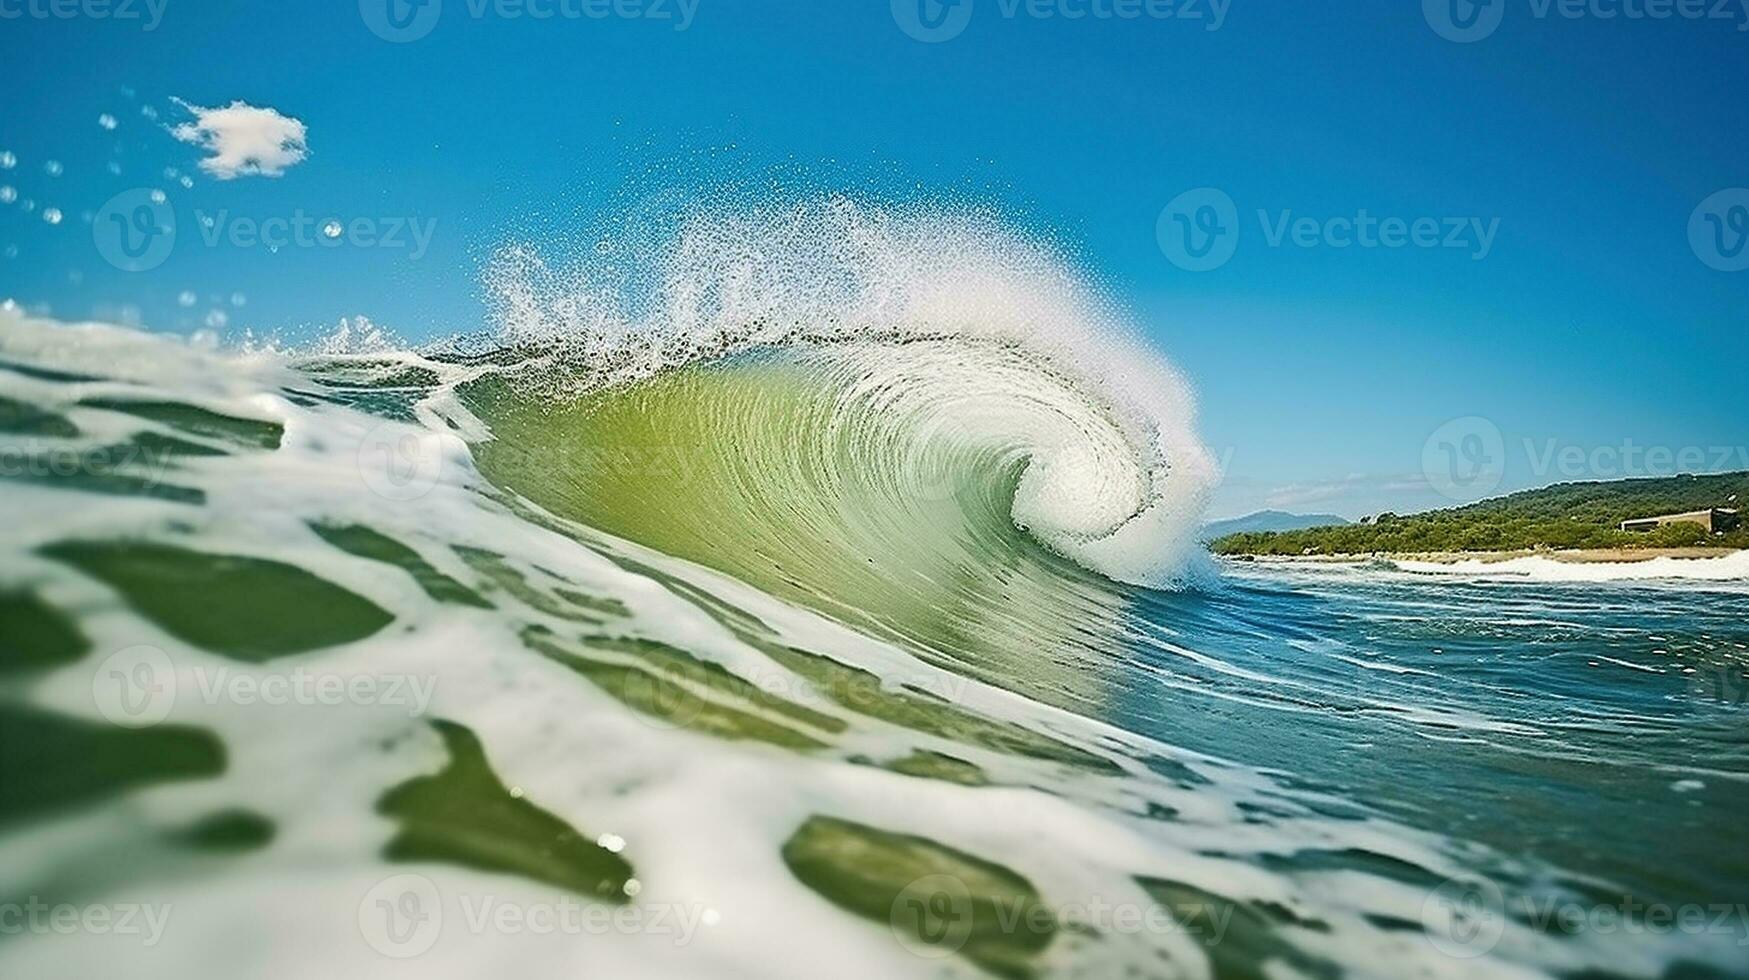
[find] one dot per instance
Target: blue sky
(1593, 339)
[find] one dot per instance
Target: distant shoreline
(1577, 556)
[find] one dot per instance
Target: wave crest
(987, 342)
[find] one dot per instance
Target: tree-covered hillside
(1566, 515)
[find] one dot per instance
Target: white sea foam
(703, 819)
(1727, 568)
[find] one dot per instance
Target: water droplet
(206, 221)
(158, 197)
(7, 160)
(238, 299)
(186, 298)
(171, 173)
(331, 229)
(28, 205)
(8, 194)
(53, 168)
(186, 182)
(217, 319)
(10, 306)
(107, 121)
(114, 168)
(148, 112)
(52, 215)
(12, 251)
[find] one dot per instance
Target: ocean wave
(947, 339)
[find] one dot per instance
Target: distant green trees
(1566, 515)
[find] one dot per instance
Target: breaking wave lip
(975, 334)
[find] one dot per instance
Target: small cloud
(244, 140)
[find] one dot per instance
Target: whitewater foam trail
(611, 726)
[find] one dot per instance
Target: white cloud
(243, 140)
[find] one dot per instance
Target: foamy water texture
(813, 594)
